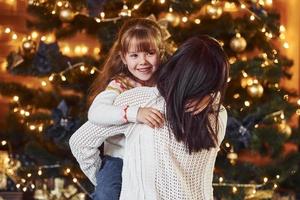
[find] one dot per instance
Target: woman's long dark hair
(197, 69)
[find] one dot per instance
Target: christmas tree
(67, 44)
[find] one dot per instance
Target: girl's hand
(196, 106)
(150, 116)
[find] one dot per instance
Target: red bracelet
(125, 114)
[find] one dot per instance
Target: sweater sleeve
(103, 112)
(84, 144)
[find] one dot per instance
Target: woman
(177, 160)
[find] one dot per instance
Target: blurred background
(51, 50)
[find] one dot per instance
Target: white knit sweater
(156, 166)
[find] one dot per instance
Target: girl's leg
(109, 179)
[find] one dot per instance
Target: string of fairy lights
(214, 9)
(27, 183)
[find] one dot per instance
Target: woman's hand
(196, 106)
(150, 116)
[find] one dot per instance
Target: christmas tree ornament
(247, 81)
(63, 125)
(66, 15)
(171, 17)
(214, 11)
(28, 46)
(238, 43)
(255, 90)
(13, 60)
(48, 57)
(284, 128)
(232, 156)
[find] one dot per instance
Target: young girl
(132, 61)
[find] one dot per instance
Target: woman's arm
(84, 145)
(103, 112)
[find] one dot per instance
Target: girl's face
(141, 64)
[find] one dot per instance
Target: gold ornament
(238, 43)
(29, 46)
(247, 81)
(66, 15)
(284, 128)
(214, 11)
(171, 17)
(255, 90)
(232, 156)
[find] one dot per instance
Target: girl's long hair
(146, 36)
(197, 69)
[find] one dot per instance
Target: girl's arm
(84, 145)
(103, 112)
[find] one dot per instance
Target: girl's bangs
(141, 41)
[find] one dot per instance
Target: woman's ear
(122, 58)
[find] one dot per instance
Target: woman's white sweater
(156, 166)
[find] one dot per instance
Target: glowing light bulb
(221, 179)
(7, 30)
(16, 98)
(34, 35)
(14, 36)
(92, 71)
(286, 45)
(247, 103)
(184, 19)
(63, 78)
(51, 77)
(234, 189)
(82, 68)
(102, 15)
(44, 83)
(197, 21)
